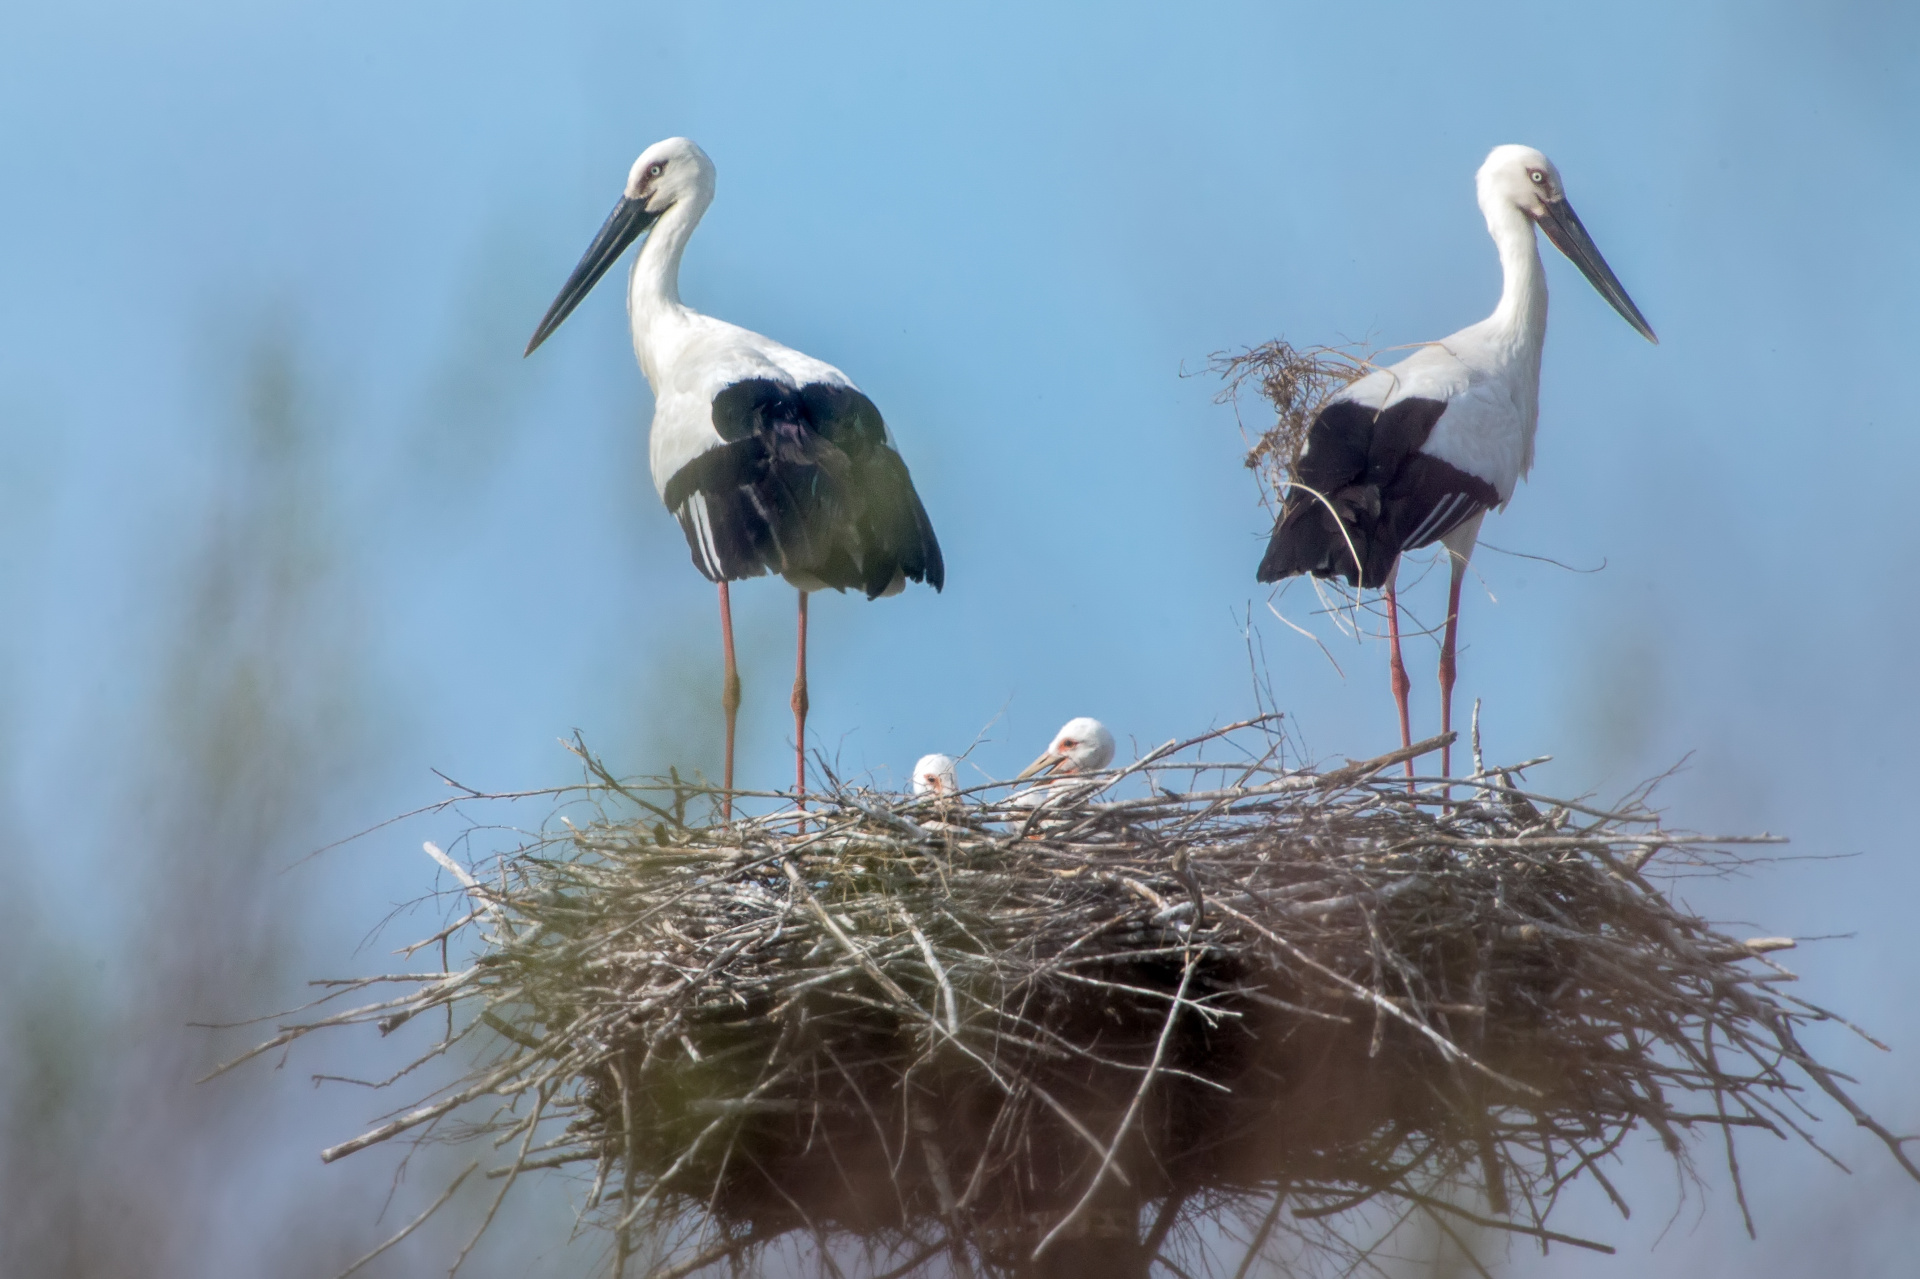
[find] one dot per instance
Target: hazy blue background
(286, 522)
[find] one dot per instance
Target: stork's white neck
(1519, 323)
(653, 289)
(1510, 340)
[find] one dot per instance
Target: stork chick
(1082, 745)
(934, 775)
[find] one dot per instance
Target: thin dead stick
(1825, 1078)
(1162, 1226)
(701, 1260)
(424, 1114)
(513, 1174)
(640, 1203)
(1261, 1235)
(858, 953)
(939, 975)
(1447, 1047)
(480, 895)
(1465, 1250)
(913, 1263)
(1126, 1121)
(1301, 630)
(366, 1012)
(943, 1188)
(1364, 769)
(1512, 1227)
(415, 1224)
(1175, 746)
(630, 1172)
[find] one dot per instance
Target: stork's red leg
(1446, 660)
(1401, 685)
(800, 708)
(729, 698)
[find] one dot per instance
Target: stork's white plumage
(771, 460)
(1418, 452)
(1082, 745)
(935, 775)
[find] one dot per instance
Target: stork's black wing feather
(889, 524)
(803, 484)
(1363, 492)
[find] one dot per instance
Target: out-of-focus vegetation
(257, 717)
(261, 719)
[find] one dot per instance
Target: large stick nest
(954, 1035)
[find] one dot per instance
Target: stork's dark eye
(657, 169)
(1536, 175)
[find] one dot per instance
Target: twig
(415, 1224)
(1127, 1120)
(1260, 1236)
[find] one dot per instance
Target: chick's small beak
(1042, 766)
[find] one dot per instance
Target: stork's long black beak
(627, 223)
(1563, 227)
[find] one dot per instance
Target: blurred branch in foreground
(114, 1164)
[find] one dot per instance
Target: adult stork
(772, 461)
(1418, 452)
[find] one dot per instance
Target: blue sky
(1016, 226)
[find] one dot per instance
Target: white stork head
(1517, 177)
(1509, 175)
(934, 775)
(670, 174)
(1082, 745)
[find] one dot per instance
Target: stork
(935, 775)
(1083, 745)
(771, 460)
(1420, 451)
